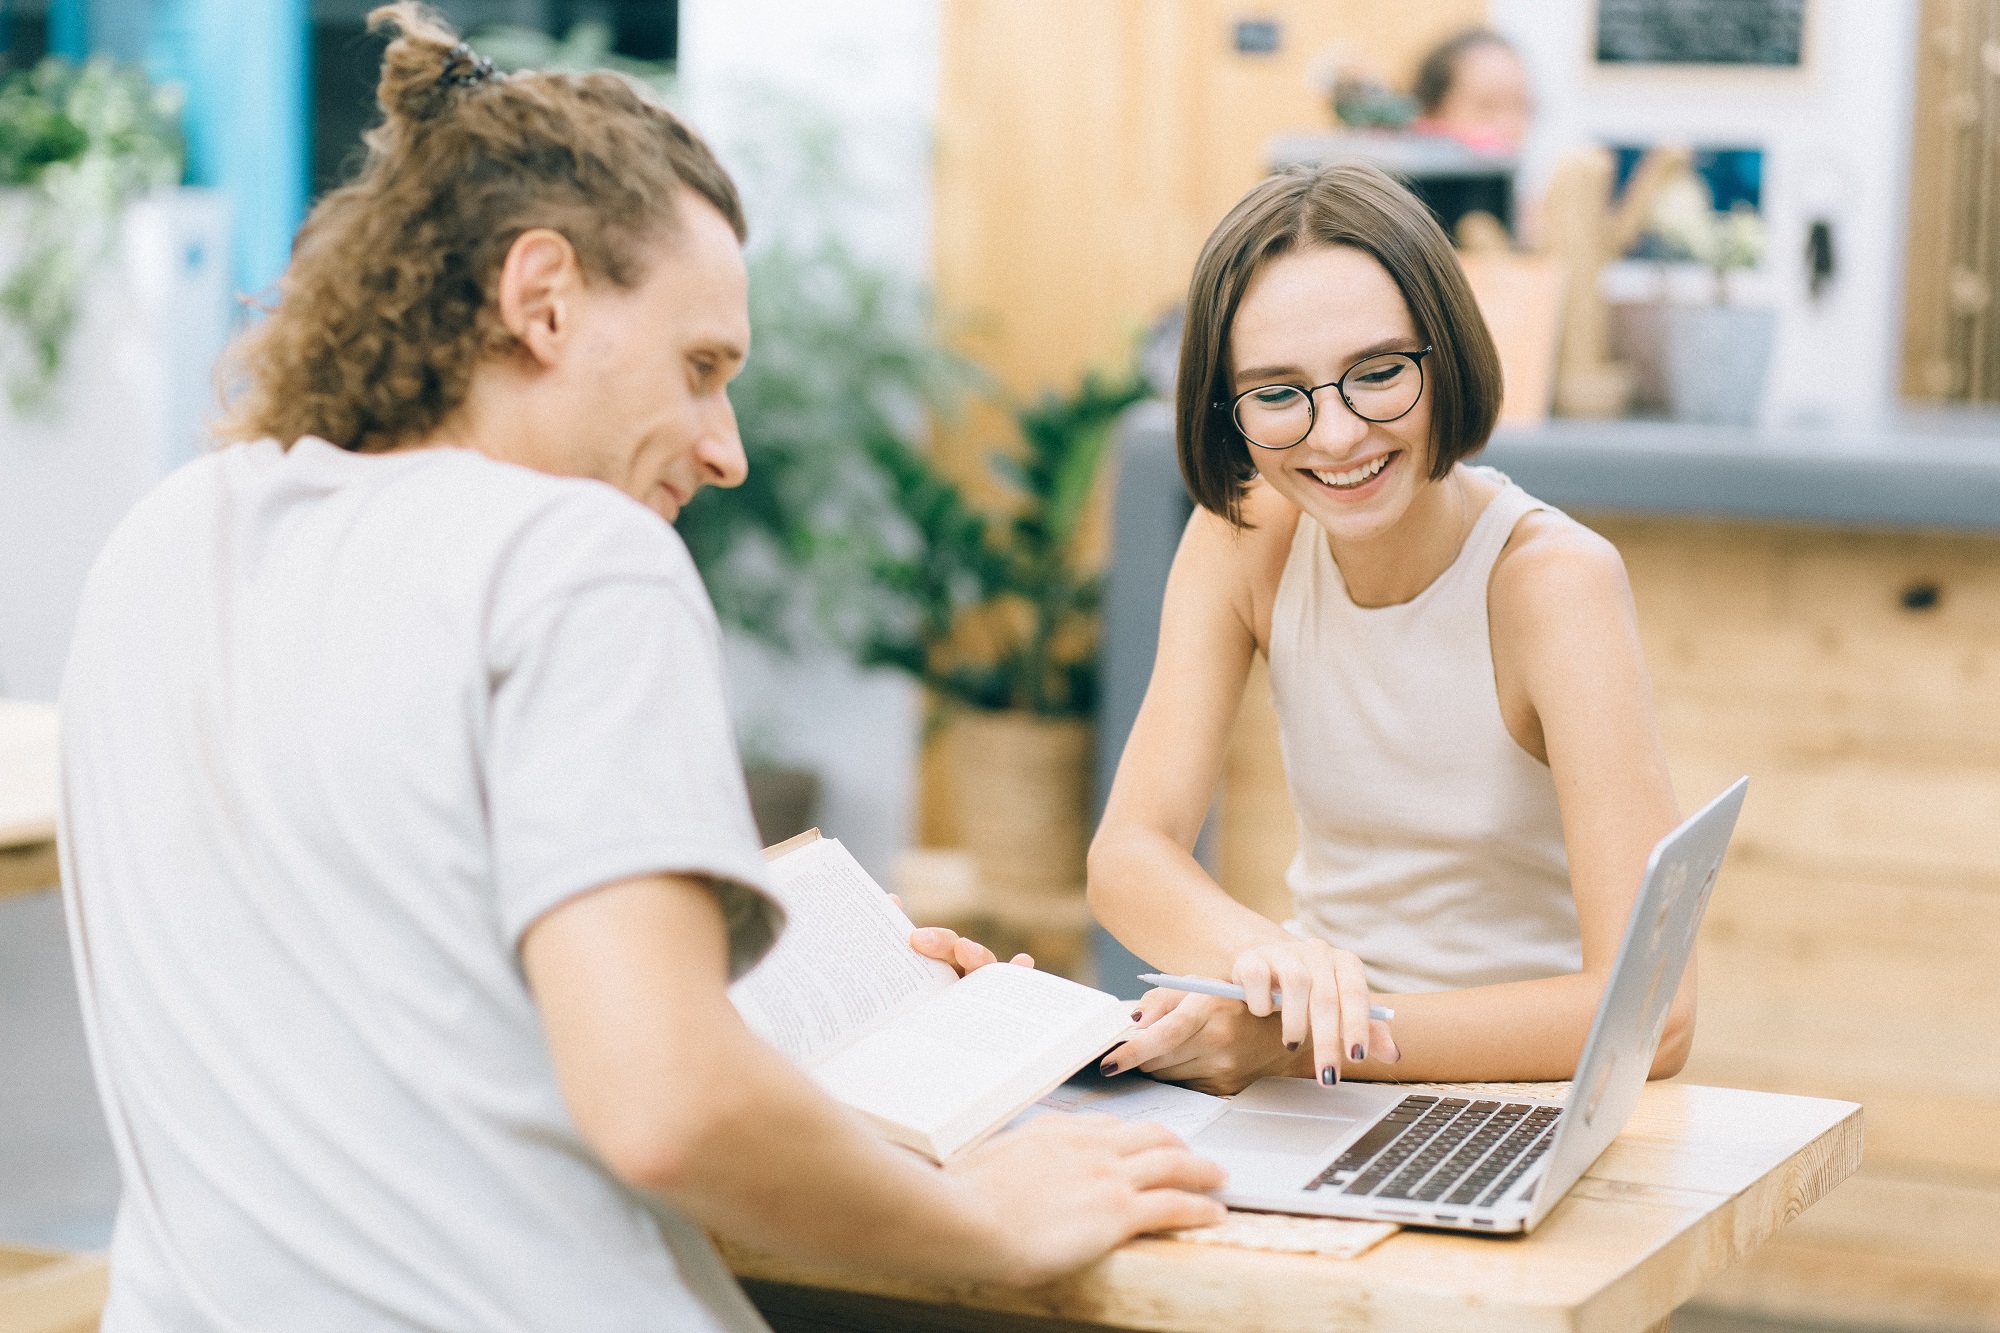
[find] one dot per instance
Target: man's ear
(540, 282)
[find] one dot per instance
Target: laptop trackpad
(1266, 1132)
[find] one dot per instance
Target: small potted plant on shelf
(1716, 354)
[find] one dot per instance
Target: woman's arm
(1575, 694)
(1145, 885)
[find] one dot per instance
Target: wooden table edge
(1729, 1232)
(26, 866)
(1102, 1296)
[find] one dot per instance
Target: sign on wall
(1700, 32)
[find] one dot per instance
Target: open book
(935, 1061)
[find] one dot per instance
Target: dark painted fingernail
(1359, 1052)
(1291, 1046)
(1108, 1068)
(1138, 1014)
(1329, 1076)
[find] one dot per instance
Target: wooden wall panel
(1085, 149)
(1853, 944)
(1258, 831)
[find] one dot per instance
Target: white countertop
(27, 773)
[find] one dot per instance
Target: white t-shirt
(336, 730)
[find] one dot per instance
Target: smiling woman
(1468, 734)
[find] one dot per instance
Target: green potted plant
(843, 351)
(998, 617)
(77, 143)
(843, 359)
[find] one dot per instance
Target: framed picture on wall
(1766, 34)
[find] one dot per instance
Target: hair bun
(426, 62)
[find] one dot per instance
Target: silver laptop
(1494, 1165)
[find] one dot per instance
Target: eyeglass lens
(1381, 388)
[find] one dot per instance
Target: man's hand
(948, 946)
(1064, 1189)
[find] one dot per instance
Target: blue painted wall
(245, 66)
(69, 29)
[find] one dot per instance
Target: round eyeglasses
(1377, 388)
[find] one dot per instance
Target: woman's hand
(1210, 1044)
(1221, 1045)
(948, 946)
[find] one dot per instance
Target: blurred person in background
(1472, 87)
(406, 847)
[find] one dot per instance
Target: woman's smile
(1355, 480)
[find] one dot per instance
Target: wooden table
(1700, 1177)
(47, 1291)
(27, 796)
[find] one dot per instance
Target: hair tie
(465, 68)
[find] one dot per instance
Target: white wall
(1836, 140)
(128, 409)
(869, 68)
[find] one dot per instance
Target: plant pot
(1023, 787)
(784, 801)
(1717, 357)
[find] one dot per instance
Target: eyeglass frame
(1312, 398)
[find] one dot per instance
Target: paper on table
(1334, 1237)
(843, 962)
(1131, 1097)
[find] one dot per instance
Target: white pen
(1230, 991)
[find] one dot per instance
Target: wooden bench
(47, 1291)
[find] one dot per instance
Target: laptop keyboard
(1444, 1150)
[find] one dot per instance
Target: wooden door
(1951, 341)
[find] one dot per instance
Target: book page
(843, 962)
(991, 1037)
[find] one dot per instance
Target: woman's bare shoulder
(1243, 564)
(1551, 562)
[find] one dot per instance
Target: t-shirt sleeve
(609, 749)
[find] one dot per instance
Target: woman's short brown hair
(1345, 204)
(388, 304)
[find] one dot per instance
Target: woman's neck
(1396, 566)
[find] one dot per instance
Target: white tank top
(1430, 844)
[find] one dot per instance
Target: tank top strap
(1491, 531)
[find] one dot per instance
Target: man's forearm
(677, 1095)
(780, 1167)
